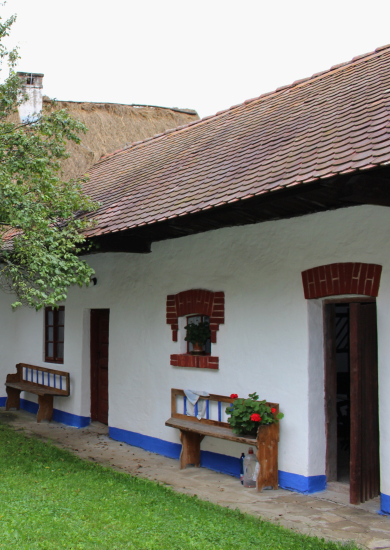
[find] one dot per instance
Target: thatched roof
(111, 126)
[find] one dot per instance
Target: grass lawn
(51, 499)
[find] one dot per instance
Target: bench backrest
(44, 377)
(215, 408)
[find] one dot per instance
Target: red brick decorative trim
(345, 278)
(195, 361)
(198, 301)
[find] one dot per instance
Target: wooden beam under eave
(369, 188)
(114, 242)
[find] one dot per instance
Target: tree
(41, 216)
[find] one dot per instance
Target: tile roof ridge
(303, 81)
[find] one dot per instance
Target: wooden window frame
(55, 341)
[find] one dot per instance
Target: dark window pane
(61, 317)
(50, 316)
(207, 346)
(60, 334)
(60, 351)
(50, 333)
(50, 350)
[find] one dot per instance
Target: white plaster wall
(9, 341)
(30, 109)
(316, 379)
(271, 341)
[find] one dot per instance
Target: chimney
(30, 110)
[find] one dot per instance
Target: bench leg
(267, 455)
(45, 411)
(13, 399)
(190, 449)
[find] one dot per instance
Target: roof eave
(362, 187)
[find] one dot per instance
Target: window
(181, 308)
(199, 319)
(54, 334)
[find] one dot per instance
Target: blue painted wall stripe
(214, 461)
(29, 406)
(58, 416)
(152, 444)
(302, 484)
(71, 419)
(385, 504)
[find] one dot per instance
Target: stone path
(327, 514)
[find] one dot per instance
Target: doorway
(351, 397)
(99, 364)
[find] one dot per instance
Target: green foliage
(52, 500)
(241, 410)
(197, 333)
(41, 221)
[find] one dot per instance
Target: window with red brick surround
(196, 302)
(342, 278)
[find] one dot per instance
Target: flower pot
(197, 349)
(248, 434)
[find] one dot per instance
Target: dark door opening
(351, 397)
(343, 405)
(99, 364)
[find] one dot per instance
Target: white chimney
(30, 110)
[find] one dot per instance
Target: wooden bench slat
(35, 388)
(204, 429)
(43, 369)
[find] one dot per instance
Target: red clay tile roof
(335, 122)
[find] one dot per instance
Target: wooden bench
(43, 382)
(192, 432)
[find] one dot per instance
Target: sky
(203, 55)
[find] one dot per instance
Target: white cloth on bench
(194, 397)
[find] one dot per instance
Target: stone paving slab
(327, 514)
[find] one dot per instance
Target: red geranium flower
(234, 396)
(273, 410)
(255, 417)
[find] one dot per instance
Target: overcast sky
(204, 55)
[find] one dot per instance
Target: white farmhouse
(271, 220)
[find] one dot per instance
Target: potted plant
(197, 335)
(246, 415)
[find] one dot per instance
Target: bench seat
(212, 430)
(31, 388)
